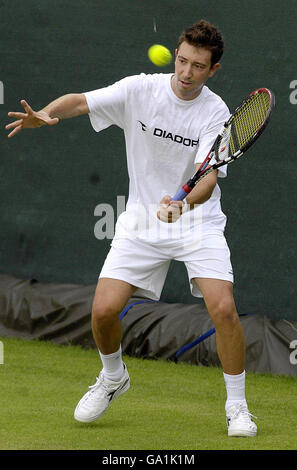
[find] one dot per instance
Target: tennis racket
(241, 130)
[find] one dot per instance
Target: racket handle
(182, 193)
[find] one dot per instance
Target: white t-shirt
(165, 137)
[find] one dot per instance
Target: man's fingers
(174, 212)
(30, 119)
(17, 115)
(15, 131)
(53, 121)
(177, 205)
(27, 108)
(14, 124)
(170, 211)
(165, 200)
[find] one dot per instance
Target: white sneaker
(96, 401)
(239, 422)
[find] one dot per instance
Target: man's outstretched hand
(29, 119)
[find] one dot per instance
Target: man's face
(192, 69)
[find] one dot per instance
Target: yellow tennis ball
(159, 55)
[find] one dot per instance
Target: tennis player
(170, 121)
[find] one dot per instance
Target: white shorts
(146, 265)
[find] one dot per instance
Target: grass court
(169, 406)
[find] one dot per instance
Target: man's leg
(219, 301)
(110, 298)
(230, 341)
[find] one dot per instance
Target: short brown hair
(204, 34)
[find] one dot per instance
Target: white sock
(235, 387)
(113, 367)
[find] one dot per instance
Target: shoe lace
(99, 382)
(244, 412)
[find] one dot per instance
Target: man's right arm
(65, 107)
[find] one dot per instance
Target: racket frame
(204, 168)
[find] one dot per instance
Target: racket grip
(181, 194)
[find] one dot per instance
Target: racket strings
(247, 121)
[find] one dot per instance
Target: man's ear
(213, 69)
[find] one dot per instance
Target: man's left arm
(203, 189)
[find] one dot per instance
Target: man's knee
(223, 312)
(105, 312)
(110, 299)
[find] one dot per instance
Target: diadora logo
(163, 133)
(143, 126)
